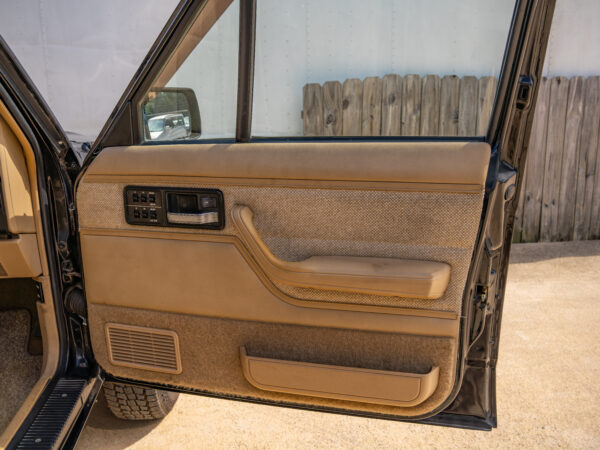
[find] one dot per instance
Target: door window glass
(195, 95)
(382, 67)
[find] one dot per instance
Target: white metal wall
(82, 54)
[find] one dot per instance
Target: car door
(335, 235)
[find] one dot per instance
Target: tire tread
(134, 403)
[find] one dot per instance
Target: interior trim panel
(20, 253)
(197, 277)
(210, 355)
(14, 181)
(463, 163)
(19, 257)
(319, 243)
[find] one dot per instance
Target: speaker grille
(143, 348)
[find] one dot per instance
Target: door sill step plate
(48, 426)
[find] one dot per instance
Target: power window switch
(136, 213)
(144, 214)
(143, 197)
(152, 197)
(153, 215)
(135, 197)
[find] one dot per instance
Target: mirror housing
(170, 113)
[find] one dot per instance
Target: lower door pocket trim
(339, 382)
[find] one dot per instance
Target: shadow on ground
(530, 253)
(102, 419)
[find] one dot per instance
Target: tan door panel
(319, 240)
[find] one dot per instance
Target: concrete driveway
(547, 381)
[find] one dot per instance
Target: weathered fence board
(594, 230)
(532, 202)
(352, 107)
(449, 106)
(312, 112)
(430, 107)
(588, 152)
(568, 177)
(559, 88)
(487, 94)
(371, 110)
(467, 106)
(411, 105)
(560, 197)
(391, 111)
(332, 108)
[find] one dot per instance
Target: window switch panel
(174, 207)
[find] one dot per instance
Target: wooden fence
(561, 196)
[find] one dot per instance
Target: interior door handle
(369, 275)
(193, 219)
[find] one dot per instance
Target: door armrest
(367, 275)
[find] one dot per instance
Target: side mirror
(171, 113)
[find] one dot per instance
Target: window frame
(189, 19)
(123, 126)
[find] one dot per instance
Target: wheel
(130, 402)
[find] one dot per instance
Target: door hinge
(68, 271)
(525, 92)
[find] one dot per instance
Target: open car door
(248, 233)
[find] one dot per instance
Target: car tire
(130, 402)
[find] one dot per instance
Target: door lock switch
(209, 202)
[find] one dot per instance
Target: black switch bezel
(161, 206)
